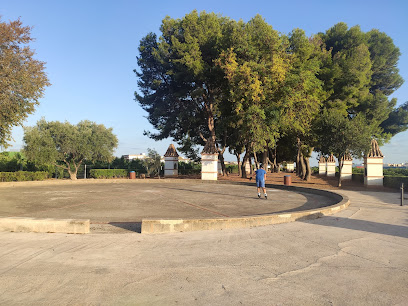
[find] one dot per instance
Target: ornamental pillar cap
(171, 152)
(331, 159)
(375, 149)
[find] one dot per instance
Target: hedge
(108, 173)
(358, 177)
(23, 176)
(395, 181)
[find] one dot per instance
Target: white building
(135, 156)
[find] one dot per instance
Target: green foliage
(232, 168)
(358, 177)
(396, 171)
(395, 181)
(22, 176)
(68, 146)
(22, 78)
(152, 163)
(357, 170)
(108, 173)
(338, 135)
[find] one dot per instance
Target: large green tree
(340, 135)
(67, 146)
(180, 85)
(22, 78)
(255, 67)
(302, 95)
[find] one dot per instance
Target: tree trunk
(298, 160)
(221, 157)
(303, 166)
(308, 169)
(73, 174)
(239, 163)
(244, 161)
(256, 161)
(340, 170)
(265, 159)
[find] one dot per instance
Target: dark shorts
(260, 183)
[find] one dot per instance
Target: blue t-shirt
(260, 174)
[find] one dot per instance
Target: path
(356, 257)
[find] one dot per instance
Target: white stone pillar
(171, 162)
(290, 167)
(347, 171)
(209, 164)
(373, 166)
(322, 166)
(331, 166)
(170, 166)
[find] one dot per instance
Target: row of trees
(275, 97)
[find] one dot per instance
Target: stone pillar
(322, 166)
(373, 166)
(171, 162)
(331, 166)
(209, 162)
(290, 167)
(347, 171)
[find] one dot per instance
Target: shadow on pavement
(130, 226)
(362, 225)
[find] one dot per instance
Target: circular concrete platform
(124, 203)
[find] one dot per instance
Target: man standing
(260, 181)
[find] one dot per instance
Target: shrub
(108, 173)
(358, 170)
(358, 177)
(189, 171)
(395, 181)
(231, 168)
(23, 176)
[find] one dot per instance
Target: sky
(90, 50)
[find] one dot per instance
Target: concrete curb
(44, 225)
(151, 226)
(156, 226)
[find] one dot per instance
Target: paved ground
(356, 257)
(120, 206)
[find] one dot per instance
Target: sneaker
(266, 196)
(259, 195)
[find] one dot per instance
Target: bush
(23, 176)
(395, 181)
(108, 173)
(358, 170)
(231, 168)
(189, 171)
(358, 177)
(396, 171)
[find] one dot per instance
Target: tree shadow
(361, 225)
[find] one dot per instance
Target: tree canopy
(22, 78)
(252, 89)
(67, 146)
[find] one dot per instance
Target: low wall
(44, 225)
(155, 226)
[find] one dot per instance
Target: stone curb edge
(155, 226)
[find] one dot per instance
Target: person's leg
(259, 189)
(264, 190)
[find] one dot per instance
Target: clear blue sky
(90, 48)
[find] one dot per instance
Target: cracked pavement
(356, 257)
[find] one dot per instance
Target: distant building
(135, 156)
